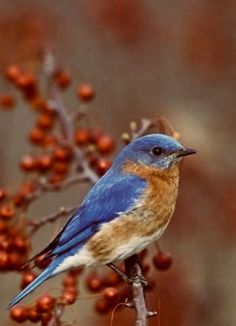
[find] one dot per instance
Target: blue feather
(46, 274)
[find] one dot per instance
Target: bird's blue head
(154, 150)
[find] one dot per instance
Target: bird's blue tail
(46, 274)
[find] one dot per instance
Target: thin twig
(35, 225)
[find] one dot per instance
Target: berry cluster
(67, 151)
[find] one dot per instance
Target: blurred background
(145, 58)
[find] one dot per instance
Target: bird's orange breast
(146, 220)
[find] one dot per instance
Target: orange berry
(36, 136)
(62, 79)
(7, 101)
(41, 262)
(85, 92)
(45, 162)
(4, 260)
(45, 303)
(20, 243)
(111, 294)
(102, 306)
(102, 166)
(27, 278)
(112, 279)
(61, 168)
(7, 212)
(69, 281)
(34, 315)
(28, 163)
(16, 260)
(94, 283)
(82, 136)
(26, 81)
(2, 194)
(13, 72)
(105, 144)
(45, 121)
(68, 297)
(62, 154)
(162, 260)
(19, 313)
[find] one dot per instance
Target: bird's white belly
(85, 258)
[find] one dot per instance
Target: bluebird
(126, 210)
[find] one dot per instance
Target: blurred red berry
(112, 279)
(27, 278)
(44, 162)
(45, 121)
(45, 303)
(19, 314)
(94, 283)
(41, 262)
(162, 260)
(34, 315)
(62, 154)
(7, 101)
(85, 92)
(111, 294)
(4, 260)
(102, 166)
(102, 306)
(69, 281)
(105, 144)
(68, 297)
(12, 73)
(82, 136)
(28, 163)
(62, 79)
(2, 194)
(7, 211)
(16, 260)
(36, 136)
(21, 243)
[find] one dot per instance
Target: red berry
(36, 136)
(111, 294)
(7, 211)
(82, 136)
(69, 281)
(68, 297)
(94, 283)
(2, 194)
(34, 315)
(4, 260)
(19, 314)
(27, 278)
(45, 303)
(7, 101)
(105, 144)
(44, 162)
(62, 79)
(41, 262)
(85, 92)
(102, 166)
(102, 306)
(45, 121)
(28, 163)
(162, 260)
(13, 72)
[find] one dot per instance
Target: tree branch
(134, 272)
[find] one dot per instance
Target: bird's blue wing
(99, 207)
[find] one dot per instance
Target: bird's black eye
(156, 151)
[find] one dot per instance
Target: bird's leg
(129, 280)
(119, 272)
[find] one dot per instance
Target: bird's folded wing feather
(99, 207)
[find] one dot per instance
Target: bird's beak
(185, 152)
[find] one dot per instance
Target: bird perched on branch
(126, 210)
